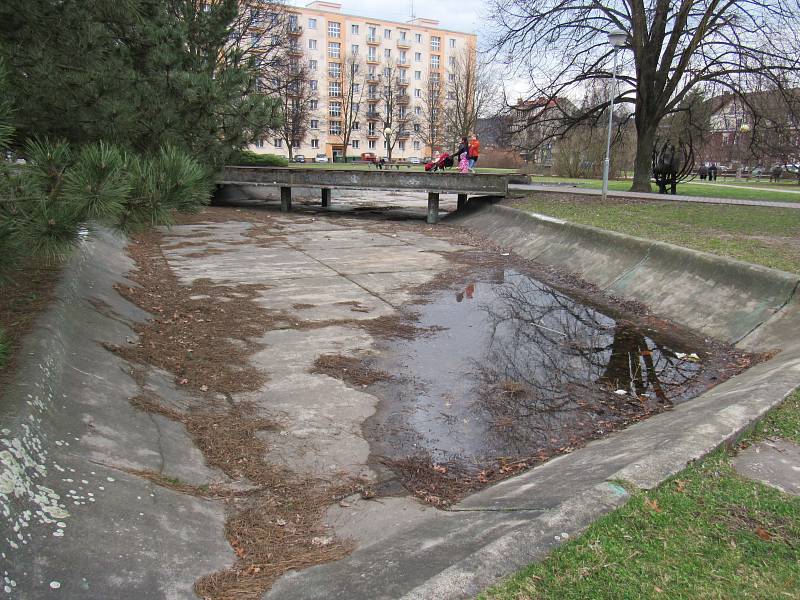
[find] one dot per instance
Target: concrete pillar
(433, 207)
(286, 199)
(462, 201)
(326, 197)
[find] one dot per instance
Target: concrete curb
(718, 296)
(70, 518)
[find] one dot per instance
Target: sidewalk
(571, 189)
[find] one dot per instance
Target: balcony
(403, 63)
(402, 81)
(403, 44)
(372, 135)
(373, 60)
(373, 115)
(374, 78)
(373, 97)
(373, 39)
(295, 50)
(295, 30)
(402, 98)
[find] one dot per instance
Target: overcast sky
(459, 15)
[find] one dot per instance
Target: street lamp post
(743, 130)
(387, 133)
(617, 39)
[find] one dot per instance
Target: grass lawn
(403, 168)
(704, 534)
(719, 189)
(765, 236)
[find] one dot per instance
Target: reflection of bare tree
(553, 367)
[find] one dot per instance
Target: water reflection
(520, 370)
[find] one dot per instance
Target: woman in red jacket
(474, 151)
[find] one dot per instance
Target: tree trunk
(643, 163)
(289, 148)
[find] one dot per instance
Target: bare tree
(431, 120)
(353, 82)
(393, 107)
(471, 90)
(673, 47)
(292, 87)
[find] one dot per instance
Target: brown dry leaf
(652, 505)
(440, 469)
(183, 381)
(203, 388)
(680, 486)
(763, 534)
(658, 590)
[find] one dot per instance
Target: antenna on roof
(413, 16)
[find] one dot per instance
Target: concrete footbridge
(434, 184)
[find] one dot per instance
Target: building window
(387, 73)
(354, 144)
(334, 89)
(295, 144)
(401, 59)
(371, 53)
(312, 44)
(372, 34)
(278, 143)
(314, 123)
(335, 49)
(312, 65)
(315, 143)
(418, 38)
(416, 145)
(417, 110)
(452, 42)
(387, 53)
(354, 49)
(335, 128)
(313, 85)
(452, 61)
(403, 35)
(371, 128)
(312, 23)
(334, 70)
(417, 75)
(401, 145)
(451, 77)
(417, 93)
(387, 34)
(435, 42)
(259, 143)
(356, 88)
(434, 61)
(334, 29)
(418, 56)
(451, 95)
(313, 104)
(335, 109)
(356, 124)
(434, 78)
(371, 144)
(354, 29)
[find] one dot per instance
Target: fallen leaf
(658, 590)
(652, 505)
(440, 469)
(183, 381)
(763, 534)
(203, 388)
(680, 486)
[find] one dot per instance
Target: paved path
(772, 462)
(567, 189)
(749, 187)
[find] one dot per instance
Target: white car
(321, 158)
(414, 160)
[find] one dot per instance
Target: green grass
(728, 190)
(704, 534)
(765, 236)
(365, 167)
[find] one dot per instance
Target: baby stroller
(445, 161)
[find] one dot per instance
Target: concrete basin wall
(723, 298)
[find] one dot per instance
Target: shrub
(246, 158)
(500, 159)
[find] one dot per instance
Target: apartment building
(322, 36)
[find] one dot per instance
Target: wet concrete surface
(514, 369)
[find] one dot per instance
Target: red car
(368, 157)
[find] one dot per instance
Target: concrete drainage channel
(76, 519)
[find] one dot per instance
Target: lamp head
(387, 132)
(744, 128)
(617, 38)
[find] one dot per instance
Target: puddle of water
(520, 371)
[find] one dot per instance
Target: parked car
(368, 157)
(321, 158)
(299, 158)
(414, 160)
